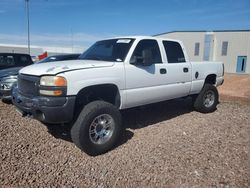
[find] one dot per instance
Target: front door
(241, 64)
(144, 83)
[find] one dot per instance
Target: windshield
(108, 50)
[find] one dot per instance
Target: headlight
(6, 83)
(53, 81)
(6, 86)
(53, 86)
(9, 79)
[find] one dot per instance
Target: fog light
(51, 92)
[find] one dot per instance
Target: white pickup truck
(112, 75)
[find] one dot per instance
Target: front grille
(28, 85)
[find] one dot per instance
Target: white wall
(189, 39)
(37, 50)
(238, 45)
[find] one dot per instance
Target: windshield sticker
(123, 41)
(119, 60)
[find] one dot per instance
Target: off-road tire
(80, 129)
(199, 100)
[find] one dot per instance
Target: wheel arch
(210, 79)
(106, 92)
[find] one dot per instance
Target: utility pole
(72, 40)
(28, 23)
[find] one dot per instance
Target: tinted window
(151, 45)
(23, 60)
(174, 52)
(16, 60)
(7, 61)
(108, 50)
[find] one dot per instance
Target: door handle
(163, 71)
(185, 69)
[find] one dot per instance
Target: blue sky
(81, 22)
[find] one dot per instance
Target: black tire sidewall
(86, 117)
(199, 102)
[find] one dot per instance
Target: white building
(230, 47)
(37, 50)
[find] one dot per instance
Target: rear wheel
(207, 99)
(97, 128)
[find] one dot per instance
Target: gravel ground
(165, 145)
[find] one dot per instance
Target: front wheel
(207, 99)
(98, 128)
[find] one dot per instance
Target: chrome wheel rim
(101, 129)
(209, 99)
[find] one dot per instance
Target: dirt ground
(165, 145)
(235, 88)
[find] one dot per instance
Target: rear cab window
(174, 52)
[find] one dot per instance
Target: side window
(148, 45)
(7, 61)
(23, 60)
(1, 61)
(174, 52)
(224, 48)
(10, 61)
(197, 49)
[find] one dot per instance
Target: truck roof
(8, 53)
(140, 37)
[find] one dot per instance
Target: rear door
(179, 73)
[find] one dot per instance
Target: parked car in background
(63, 57)
(10, 64)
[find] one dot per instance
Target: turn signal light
(51, 93)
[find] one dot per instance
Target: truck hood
(9, 72)
(53, 68)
